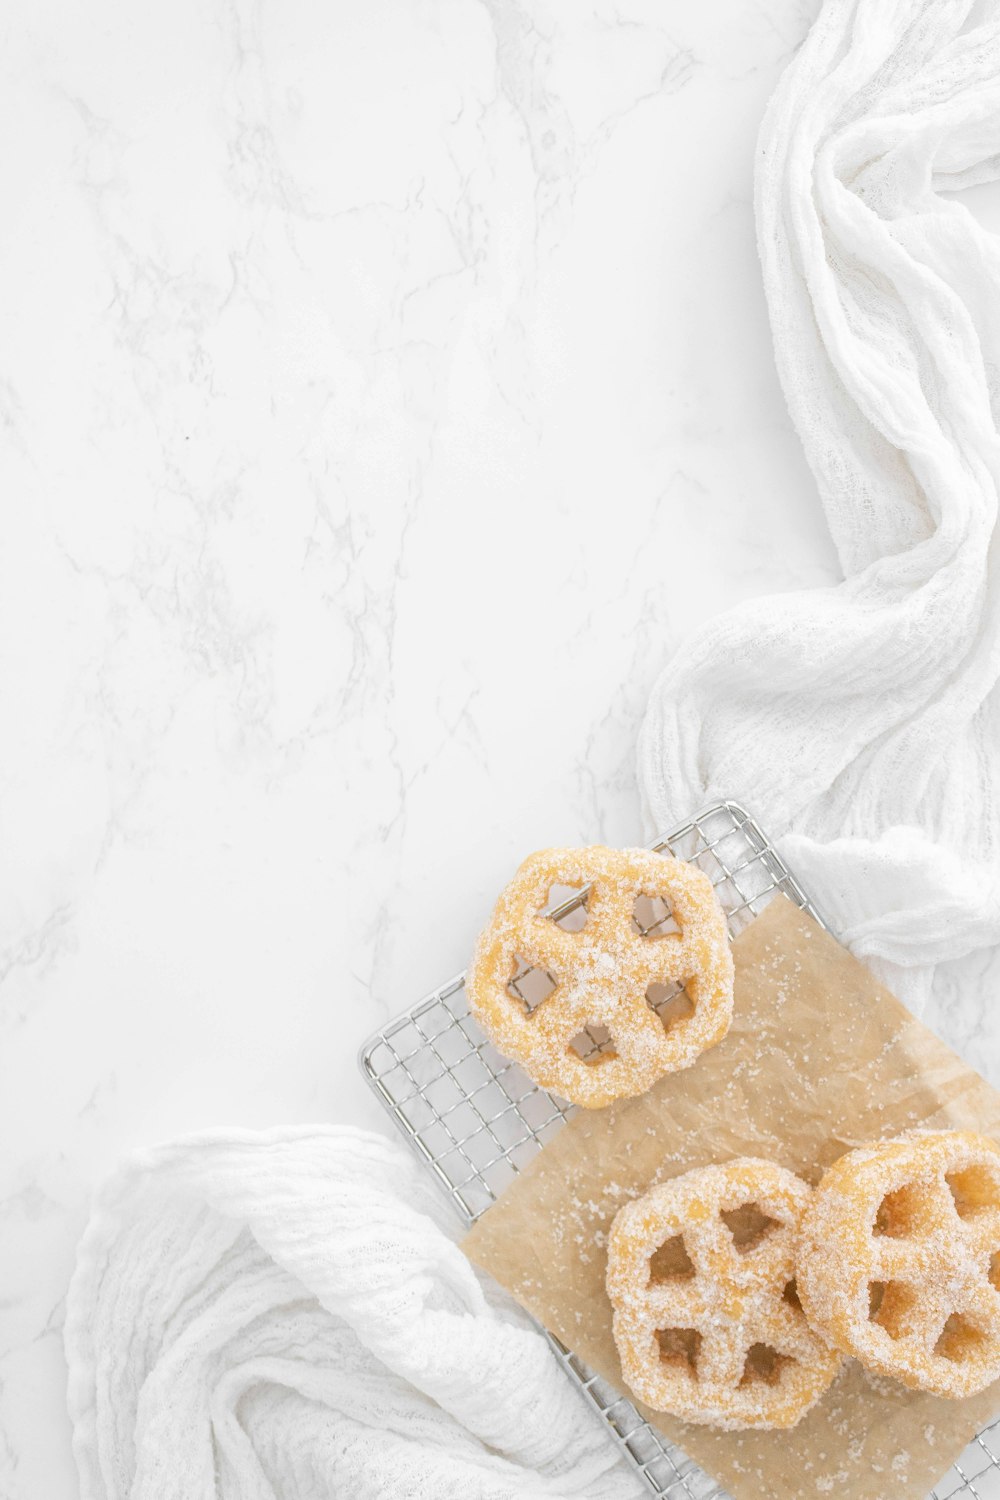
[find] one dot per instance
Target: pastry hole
(894, 1306)
(670, 1262)
(748, 1225)
(594, 1044)
(959, 1339)
(791, 1295)
(898, 1214)
(763, 1365)
(680, 1347)
(566, 906)
(671, 1003)
(652, 917)
(972, 1189)
(530, 984)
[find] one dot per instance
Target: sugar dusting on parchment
(819, 1059)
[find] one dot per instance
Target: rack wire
(475, 1119)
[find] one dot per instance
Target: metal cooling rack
(476, 1119)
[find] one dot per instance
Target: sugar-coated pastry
(900, 1259)
(606, 971)
(701, 1277)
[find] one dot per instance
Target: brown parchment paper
(820, 1058)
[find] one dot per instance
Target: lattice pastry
(707, 1323)
(900, 1264)
(644, 942)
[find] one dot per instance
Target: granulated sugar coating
(608, 980)
(714, 1332)
(900, 1259)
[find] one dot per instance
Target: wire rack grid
(475, 1120)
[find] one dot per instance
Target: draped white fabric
(862, 721)
(287, 1317)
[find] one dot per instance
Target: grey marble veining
(384, 388)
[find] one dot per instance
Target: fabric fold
(287, 1314)
(860, 721)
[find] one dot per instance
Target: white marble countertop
(386, 388)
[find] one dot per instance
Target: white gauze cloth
(862, 721)
(285, 1316)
